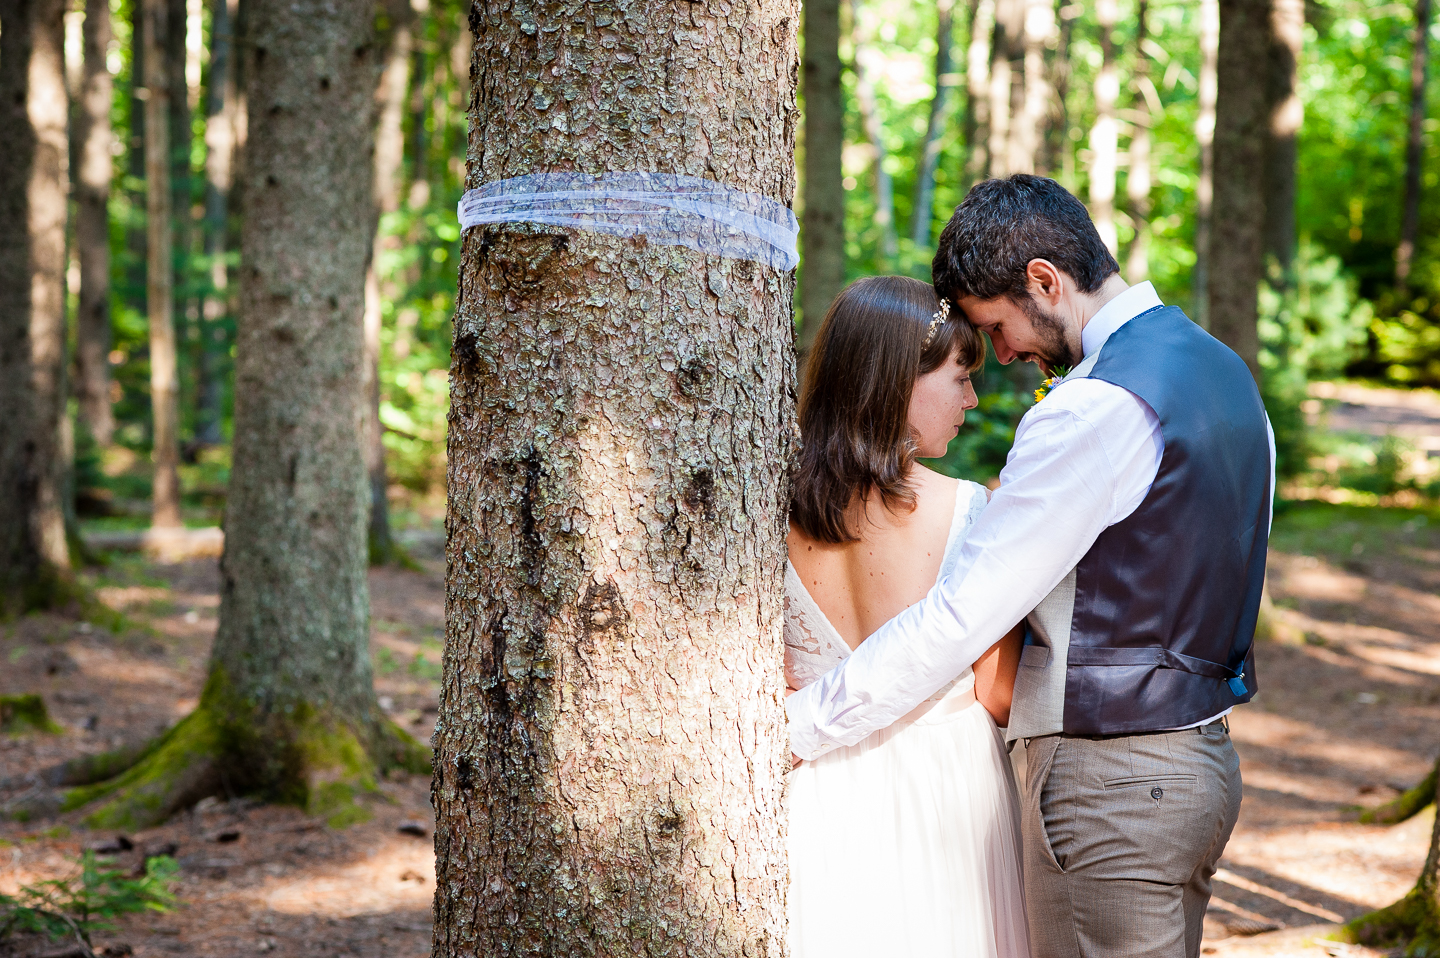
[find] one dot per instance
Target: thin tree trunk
(1242, 127)
(34, 557)
(178, 94)
(875, 138)
(1008, 15)
(1205, 137)
(1137, 184)
(135, 148)
(611, 750)
(1414, 147)
(977, 89)
(822, 235)
(1287, 33)
(1105, 134)
(159, 286)
(92, 227)
(1059, 158)
(385, 197)
(420, 139)
(220, 109)
(923, 207)
(1039, 30)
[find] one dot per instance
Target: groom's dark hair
(1002, 225)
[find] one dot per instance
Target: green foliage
(83, 904)
(20, 713)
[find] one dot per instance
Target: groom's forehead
(987, 312)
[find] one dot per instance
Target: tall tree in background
(34, 558)
(1137, 184)
(823, 228)
(1242, 131)
(1205, 138)
(177, 93)
(923, 208)
(1039, 32)
(611, 749)
(92, 226)
(1414, 146)
(1286, 36)
(1009, 18)
(289, 709)
(1059, 158)
(159, 271)
(977, 90)
(1105, 134)
(221, 106)
(871, 124)
(385, 191)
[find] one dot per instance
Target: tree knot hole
(693, 375)
(699, 496)
(602, 608)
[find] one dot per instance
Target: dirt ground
(1348, 715)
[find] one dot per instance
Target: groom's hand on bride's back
(795, 760)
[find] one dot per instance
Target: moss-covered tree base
(1406, 805)
(25, 713)
(1413, 923)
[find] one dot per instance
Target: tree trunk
(178, 94)
(1008, 19)
(1205, 137)
(385, 197)
(923, 209)
(1105, 134)
(289, 709)
(822, 261)
(1287, 33)
(875, 137)
(1242, 126)
(34, 558)
(1413, 922)
(159, 283)
(977, 90)
(1039, 30)
(92, 227)
(611, 749)
(1137, 184)
(220, 109)
(420, 142)
(1414, 147)
(1059, 159)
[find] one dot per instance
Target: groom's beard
(1054, 351)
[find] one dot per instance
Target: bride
(908, 843)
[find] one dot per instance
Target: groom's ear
(1046, 282)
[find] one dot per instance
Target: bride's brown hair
(855, 401)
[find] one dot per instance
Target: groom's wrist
(805, 739)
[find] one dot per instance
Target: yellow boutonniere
(1058, 375)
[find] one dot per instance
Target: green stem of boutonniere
(1057, 373)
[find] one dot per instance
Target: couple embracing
(1100, 607)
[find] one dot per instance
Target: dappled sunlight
(398, 874)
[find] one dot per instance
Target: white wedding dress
(908, 843)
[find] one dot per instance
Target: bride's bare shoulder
(930, 485)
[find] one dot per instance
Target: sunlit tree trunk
(92, 227)
(1287, 33)
(611, 749)
(1008, 19)
(923, 208)
(1105, 134)
(822, 270)
(389, 155)
(1039, 30)
(159, 284)
(1205, 138)
(1137, 183)
(875, 138)
(34, 558)
(1060, 161)
(977, 89)
(1415, 146)
(1242, 129)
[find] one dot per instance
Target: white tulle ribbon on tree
(665, 208)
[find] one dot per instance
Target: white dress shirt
(1083, 460)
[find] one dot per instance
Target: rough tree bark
(1413, 922)
(385, 198)
(822, 234)
(159, 272)
(611, 745)
(1414, 147)
(1105, 134)
(1137, 183)
(923, 208)
(1009, 16)
(1205, 138)
(289, 709)
(1287, 112)
(34, 558)
(875, 139)
(92, 227)
(977, 90)
(1242, 127)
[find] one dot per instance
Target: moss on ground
(25, 713)
(1406, 805)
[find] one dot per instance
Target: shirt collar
(1116, 313)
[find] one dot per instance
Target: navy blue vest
(1166, 600)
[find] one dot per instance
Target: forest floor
(1347, 716)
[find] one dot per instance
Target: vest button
(1157, 793)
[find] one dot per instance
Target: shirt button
(1157, 793)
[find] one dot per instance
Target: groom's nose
(1003, 353)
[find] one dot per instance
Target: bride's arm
(995, 675)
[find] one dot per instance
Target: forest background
(1339, 310)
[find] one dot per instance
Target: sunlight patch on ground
(397, 875)
(1300, 738)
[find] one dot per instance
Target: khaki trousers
(1121, 838)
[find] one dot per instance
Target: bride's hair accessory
(936, 318)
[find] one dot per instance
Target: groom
(1129, 531)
